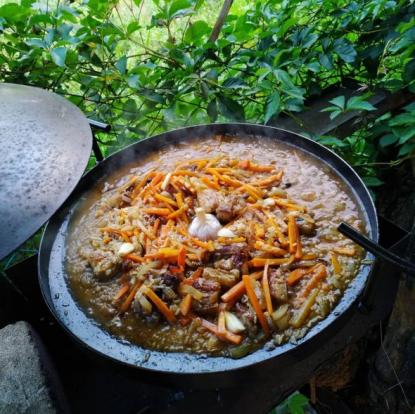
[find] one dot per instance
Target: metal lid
(45, 144)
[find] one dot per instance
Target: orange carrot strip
(181, 257)
(134, 258)
(164, 252)
(265, 287)
(221, 324)
(337, 267)
(178, 212)
(157, 178)
(211, 183)
(157, 211)
(156, 226)
(228, 180)
(196, 274)
(160, 304)
(231, 240)
(186, 304)
(265, 182)
(118, 232)
(122, 291)
(201, 164)
(296, 275)
(202, 244)
(179, 198)
(165, 199)
(276, 251)
(319, 274)
(299, 249)
(260, 261)
(255, 303)
(148, 245)
(250, 166)
(186, 173)
(236, 291)
(127, 303)
(346, 251)
(287, 204)
(310, 256)
(292, 234)
(139, 186)
(280, 234)
(228, 336)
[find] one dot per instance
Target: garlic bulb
(204, 226)
(226, 233)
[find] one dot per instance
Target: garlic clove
(233, 323)
(204, 226)
(166, 181)
(126, 248)
(224, 232)
(268, 202)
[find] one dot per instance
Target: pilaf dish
(215, 246)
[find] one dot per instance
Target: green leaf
(212, 110)
(196, 30)
(297, 403)
(403, 119)
(13, 12)
(406, 149)
(331, 141)
(133, 27)
(372, 181)
(409, 71)
(130, 109)
(121, 64)
(273, 106)
(235, 83)
(339, 101)
(404, 134)
(335, 114)
(388, 140)
(179, 8)
(345, 50)
(231, 109)
(59, 55)
(36, 42)
(356, 103)
(326, 61)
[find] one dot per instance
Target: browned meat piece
(306, 227)
(225, 264)
(278, 286)
(104, 264)
(238, 253)
(225, 278)
(170, 280)
(209, 303)
(247, 316)
(206, 285)
(229, 207)
(208, 200)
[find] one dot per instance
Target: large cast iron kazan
(211, 371)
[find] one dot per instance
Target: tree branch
(221, 20)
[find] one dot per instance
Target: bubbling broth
(215, 246)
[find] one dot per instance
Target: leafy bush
(144, 77)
